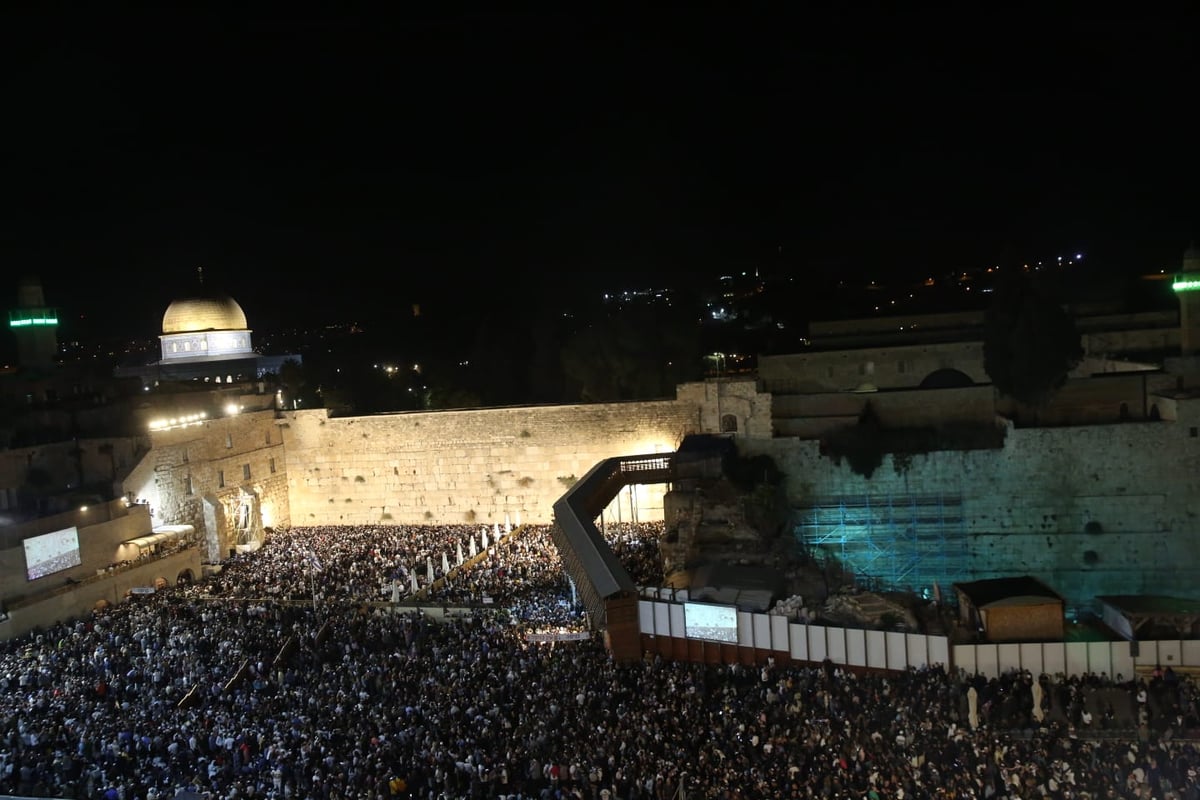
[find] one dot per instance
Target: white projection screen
(51, 552)
(712, 622)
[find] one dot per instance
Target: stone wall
(202, 474)
(1090, 510)
(483, 466)
(88, 462)
(809, 416)
(882, 367)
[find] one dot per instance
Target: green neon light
(32, 317)
(1187, 282)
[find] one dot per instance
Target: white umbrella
(496, 531)
(483, 539)
(507, 523)
(445, 563)
(518, 519)
(413, 577)
(429, 569)
(460, 558)
(473, 551)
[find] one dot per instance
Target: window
(272, 466)
(220, 479)
(728, 423)
(191, 489)
(268, 435)
(901, 367)
(186, 457)
(245, 472)
(1193, 432)
(228, 440)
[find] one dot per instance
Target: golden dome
(212, 313)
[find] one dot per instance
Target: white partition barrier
(1008, 657)
(646, 617)
(817, 650)
(964, 659)
(798, 648)
(1163, 653)
(1122, 660)
(779, 634)
(1031, 658)
(1078, 659)
(1099, 659)
(762, 631)
(897, 650)
(856, 647)
(916, 648)
(939, 651)
(745, 629)
(876, 650)
(987, 661)
(662, 619)
(835, 642)
(1054, 658)
(678, 624)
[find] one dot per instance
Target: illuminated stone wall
(1091, 510)
(480, 466)
(196, 475)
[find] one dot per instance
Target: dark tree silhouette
(1030, 342)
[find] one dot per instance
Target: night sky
(324, 168)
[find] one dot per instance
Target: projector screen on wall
(51, 552)
(712, 622)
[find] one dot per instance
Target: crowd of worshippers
(228, 688)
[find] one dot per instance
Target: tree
(1030, 342)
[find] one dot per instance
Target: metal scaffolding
(897, 543)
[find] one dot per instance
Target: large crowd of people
(305, 670)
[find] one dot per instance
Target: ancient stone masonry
(484, 466)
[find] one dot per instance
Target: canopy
(163, 533)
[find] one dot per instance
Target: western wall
(490, 466)
(1091, 509)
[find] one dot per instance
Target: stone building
(205, 338)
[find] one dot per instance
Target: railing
(596, 572)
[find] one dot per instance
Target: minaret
(1187, 289)
(34, 325)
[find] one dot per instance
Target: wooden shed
(1011, 609)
